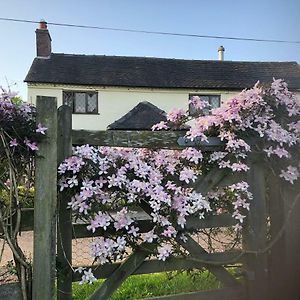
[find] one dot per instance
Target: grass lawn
(142, 286)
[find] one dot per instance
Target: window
(82, 102)
(213, 100)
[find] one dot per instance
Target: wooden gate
(251, 256)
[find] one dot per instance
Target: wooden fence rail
(79, 229)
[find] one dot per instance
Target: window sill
(86, 114)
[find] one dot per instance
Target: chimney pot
(221, 51)
(43, 24)
(43, 40)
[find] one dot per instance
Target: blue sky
(268, 19)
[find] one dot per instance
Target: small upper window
(214, 101)
(82, 102)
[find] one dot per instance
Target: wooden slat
(228, 293)
(277, 259)
(224, 220)
(232, 178)
(255, 233)
(207, 182)
(193, 223)
(197, 251)
(121, 273)
(124, 138)
(147, 267)
(139, 139)
(45, 203)
(156, 266)
(79, 229)
(291, 197)
(64, 218)
(214, 142)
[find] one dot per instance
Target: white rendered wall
(114, 102)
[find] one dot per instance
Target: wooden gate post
(291, 198)
(45, 203)
(255, 235)
(277, 259)
(64, 220)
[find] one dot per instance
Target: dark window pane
(92, 103)
(192, 109)
(204, 98)
(215, 101)
(80, 103)
(205, 110)
(68, 98)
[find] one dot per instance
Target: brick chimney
(43, 40)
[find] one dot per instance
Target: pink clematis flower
(41, 129)
(159, 126)
(32, 145)
(291, 174)
(13, 143)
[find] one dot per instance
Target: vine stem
(11, 242)
(11, 225)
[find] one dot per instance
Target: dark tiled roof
(159, 72)
(142, 117)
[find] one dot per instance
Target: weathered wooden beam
(214, 143)
(64, 217)
(147, 267)
(197, 251)
(172, 264)
(124, 138)
(227, 293)
(45, 203)
(255, 231)
(193, 223)
(207, 182)
(224, 220)
(277, 259)
(79, 229)
(291, 196)
(141, 139)
(121, 273)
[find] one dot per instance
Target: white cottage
(101, 89)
